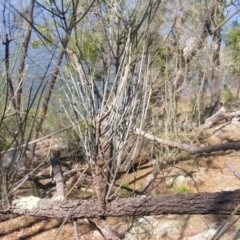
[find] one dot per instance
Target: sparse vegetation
(181, 189)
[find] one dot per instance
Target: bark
(215, 81)
(24, 51)
(199, 203)
(57, 174)
(9, 80)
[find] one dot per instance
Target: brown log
(199, 203)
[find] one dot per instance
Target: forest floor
(208, 173)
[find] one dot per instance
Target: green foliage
(125, 184)
(3, 143)
(181, 189)
(125, 192)
(46, 32)
(48, 37)
(91, 46)
(232, 40)
(227, 95)
(35, 43)
(83, 125)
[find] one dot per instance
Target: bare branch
(233, 170)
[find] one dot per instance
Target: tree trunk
(22, 63)
(199, 203)
(215, 81)
(185, 56)
(48, 94)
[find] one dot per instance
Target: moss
(181, 189)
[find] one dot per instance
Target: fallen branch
(233, 170)
(199, 203)
(220, 115)
(190, 148)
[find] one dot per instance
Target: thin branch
(76, 232)
(37, 140)
(233, 170)
(190, 148)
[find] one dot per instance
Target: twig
(108, 229)
(37, 140)
(25, 178)
(222, 230)
(76, 181)
(96, 226)
(76, 232)
(233, 170)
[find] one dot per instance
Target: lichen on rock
(28, 203)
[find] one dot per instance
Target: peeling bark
(199, 203)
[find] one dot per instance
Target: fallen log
(220, 115)
(198, 203)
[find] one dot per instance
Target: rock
(145, 227)
(205, 235)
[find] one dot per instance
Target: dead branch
(191, 149)
(37, 140)
(57, 174)
(233, 170)
(76, 232)
(198, 203)
(220, 115)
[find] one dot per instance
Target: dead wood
(199, 203)
(57, 174)
(233, 170)
(220, 115)
(190, 148)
